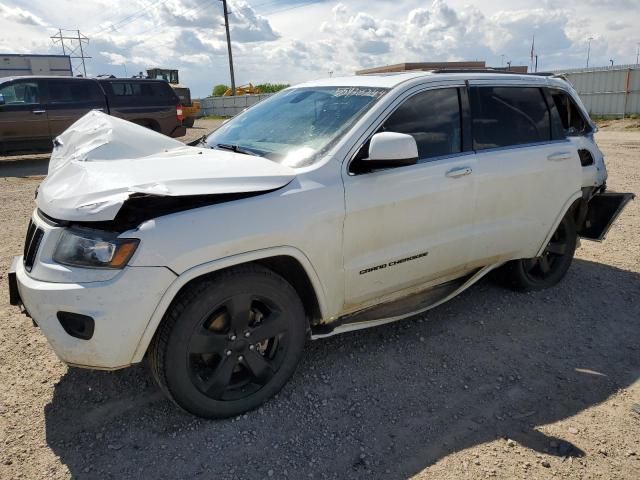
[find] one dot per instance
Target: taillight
(179, 113)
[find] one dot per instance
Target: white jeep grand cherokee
(332, 206)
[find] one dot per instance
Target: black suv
(35, 110)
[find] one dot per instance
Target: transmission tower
(72, 46)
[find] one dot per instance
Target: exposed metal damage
(104, 169)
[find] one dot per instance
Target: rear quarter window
(573, 122)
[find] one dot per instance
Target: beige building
(404, 67)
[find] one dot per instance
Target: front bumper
(120, 307)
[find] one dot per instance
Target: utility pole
(509, 65)
(638, 54)
(502, 60)
(226, 26)
(72, 45)
(536, 71)
(589, 50)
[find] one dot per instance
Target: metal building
(424, 66)
(15, 64)
(607, 91)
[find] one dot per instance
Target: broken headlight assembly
(94, 249)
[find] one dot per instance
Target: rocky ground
(493, 384)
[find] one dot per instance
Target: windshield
(293, 127)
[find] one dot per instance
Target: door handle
(39, 112)
(556, 157)
(459, 172)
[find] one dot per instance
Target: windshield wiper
(236, 149)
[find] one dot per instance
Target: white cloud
(17, 14)
(114, 58)
(273, 42)
(245, 23)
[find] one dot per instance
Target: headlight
(94, 249)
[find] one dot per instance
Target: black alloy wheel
(539, 273)
(230, 342)
(238, 347)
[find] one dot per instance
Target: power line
(134, 16)
(306, 4)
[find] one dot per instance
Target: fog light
(76, 325)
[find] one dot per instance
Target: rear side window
(73, 92)
(433, 119)
(20, 93)
(507, 116)
(139, 89)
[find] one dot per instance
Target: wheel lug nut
(232, 338)
(228, 353)
(251, 347)
(247, 334)
(240, 358)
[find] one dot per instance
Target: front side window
(433, 119)
(508, 116)
(20, 93)
(296, 125)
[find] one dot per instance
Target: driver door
(23, 117)
(409, 225)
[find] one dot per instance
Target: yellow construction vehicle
(189, 107)
(247, 89)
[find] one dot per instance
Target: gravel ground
(493, 384)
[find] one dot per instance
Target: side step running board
(409, 306)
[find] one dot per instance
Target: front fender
(217, 265)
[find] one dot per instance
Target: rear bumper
(119, 309)
(179, 131)
(602, 210)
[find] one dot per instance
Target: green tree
(219, 90)
(272, 87)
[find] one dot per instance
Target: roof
(32, 55)
(101, 79)
(391, 80)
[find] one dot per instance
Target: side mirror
(1, 99)
(390, 149)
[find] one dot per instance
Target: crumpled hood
(99, 161)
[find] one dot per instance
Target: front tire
(545, 271)
(229, 343)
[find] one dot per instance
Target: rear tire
(188, 122)
(230, 342)
(545, 271)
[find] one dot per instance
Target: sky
(292, 41)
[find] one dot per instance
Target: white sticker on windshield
(359, 92)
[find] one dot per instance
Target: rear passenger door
(70, 99)
(526, 170)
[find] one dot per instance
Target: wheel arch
(573, 201)
(288, 262)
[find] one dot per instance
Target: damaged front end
(107, 172)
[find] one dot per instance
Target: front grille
(31, 245)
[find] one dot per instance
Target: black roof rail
(489, 70)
